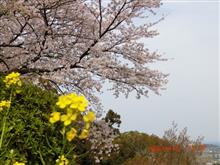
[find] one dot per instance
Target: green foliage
(28, 135)
(133, 144)
(136, 148)
(114, 120)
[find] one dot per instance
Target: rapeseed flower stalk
(12, 79)
(71, 107)
(62, 160)
(88, 119)
(4, 104)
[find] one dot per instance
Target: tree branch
(100, 15)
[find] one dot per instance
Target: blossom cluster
(102, 137)
(62, 160)
(18, 163)
(4, 104)
(72, 109)
(12, 79)
(105, 50)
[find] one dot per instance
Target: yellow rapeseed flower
(83, 103)
(55, 116)
(4, 104)
(89, 117)
(68, 118)
(62, 160)
(63, 101)
(79, 103)
(18, 163)
(84, 134)
(71, 134)
(72, 101)
(12, 79)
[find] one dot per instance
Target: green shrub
(133, 144)
(26, 134)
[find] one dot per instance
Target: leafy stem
(4, 123)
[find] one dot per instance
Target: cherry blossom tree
(81, 44)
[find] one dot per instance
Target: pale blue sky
(189, 34)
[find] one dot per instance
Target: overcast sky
(189, 34)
